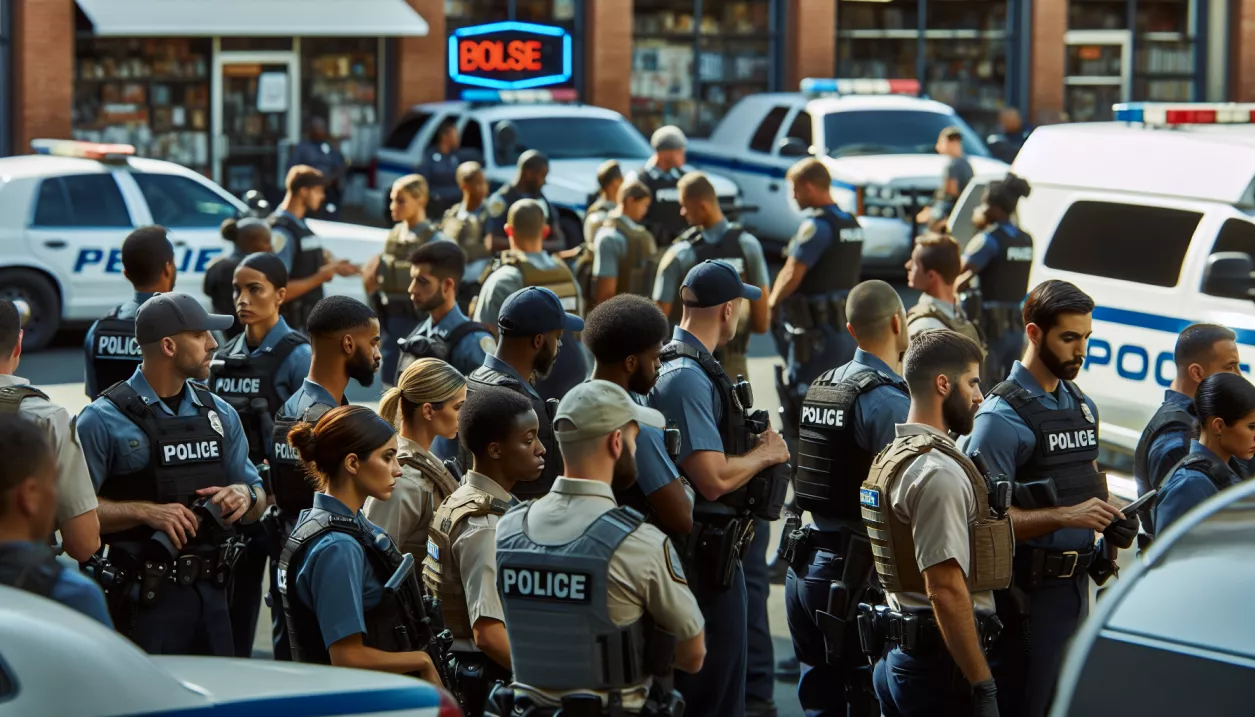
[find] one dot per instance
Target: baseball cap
(536, 310)
(667, 138)
(598, 408)
(715, 282)
(169, 314)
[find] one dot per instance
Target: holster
(844, 594)
(475, 676)
(793, 541)
(714, 548)
(790, 406)
(765, 492)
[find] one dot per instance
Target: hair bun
(304, 439)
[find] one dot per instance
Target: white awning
(253, 18)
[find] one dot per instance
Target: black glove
(985, 699)
(1122, 533)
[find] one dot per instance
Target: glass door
(1098, 73)
(256, 118)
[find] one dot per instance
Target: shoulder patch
(496, 206)
(807, 230)
(487, 344)
(976, 244)
(278, 239)
(674, 566)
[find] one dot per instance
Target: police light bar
(82, 150)
(821, 86)
(520, 97)
(1168, 114)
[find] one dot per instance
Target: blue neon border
(510, 26)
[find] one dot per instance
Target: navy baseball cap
(169, 314)
(715, 282)
(536, 310)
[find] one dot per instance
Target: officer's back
(436, 271)
(440, 168)
(529, 183)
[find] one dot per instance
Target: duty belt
(1036, 567)
(918, 633)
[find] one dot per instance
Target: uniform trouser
(928, 685)
(278, 623)
(186, 620)
(395, 326)
(1032, 648)
(1004, 350)
(245, 597)
(718, 690)
(760, 672)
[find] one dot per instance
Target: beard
(1064, 370)
(435, 302)
(544, 361)
(362, 369)
(958, 413)
(624, 476)
(195, 370)
(642, 382)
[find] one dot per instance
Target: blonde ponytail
(427, 380)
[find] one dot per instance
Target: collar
(491, 361)
(277, 333)
(1025, 379)
(322, 501)
(140, 297)
(902, 430)
(8, 379)
(945, 306)
(452, 320)
(293, 217)
(684, 336)
(1178, 398)
(873, 361)
(405, 445)
(317, 392)
(145, 390)
(484, 484)
(627, 220)
(580, 487)
(716, 232)
(1196, 447)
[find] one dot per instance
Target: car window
(403, 134)
(473, 137)
(1107, 239)
(181, 203)
(863, 132)
(84, 200)
(572, 138)
(764, 138)
(1236, 235)
(800, 128)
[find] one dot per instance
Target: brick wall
(608, 54)
(1242, 51)
(810, 40)
(1046, 67)
(43, 70)
(420, 61)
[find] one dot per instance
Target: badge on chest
(177, 453)
(544, 584)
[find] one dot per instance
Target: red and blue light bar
(1171, 114)
(838, 87)
(82, 150)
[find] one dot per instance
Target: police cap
(715, 282)
(169, 314)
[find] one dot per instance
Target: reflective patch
(1019, 253)
(852, 234)
(496, 206)
(674, 566)
(311, 243)
(545, 584)
(278, 240)
(869, 497)
(487, 344)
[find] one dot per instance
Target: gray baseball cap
(169, 314)
(669, 137)
(598, 408)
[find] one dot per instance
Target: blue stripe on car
(1156, 322)
(741, 165)
(420, 696)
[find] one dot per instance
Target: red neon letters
(499, 56)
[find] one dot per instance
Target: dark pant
(1004, 350)
(922, 686)
(760, 674)
(186, 620)
(1032, 647)
(396, 326)
(718, 690)
(245, 598)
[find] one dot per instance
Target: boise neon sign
(510, 56)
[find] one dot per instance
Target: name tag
(248, 386)
(433, 551)
(1019, 253)
(869, 497)
(548, 585)
(285, 452)
(819, 416)
(183, 452)
(853, 234)
(118, 347)
(1072, 440)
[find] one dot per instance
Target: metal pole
(921, 63)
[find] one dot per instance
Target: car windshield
(861, 132)
(570, 138)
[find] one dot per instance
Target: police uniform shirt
(686, 395)
(474, 546)
(284, 246)
(654, 469)
(471, 351)
(960, 170)
(934, 496)
(1186, 488)
(114, 445)
(336, 581)
(498, 210)
(609, 248)
(1006, 443)
(815, 236)
(291, 374)
(928, 323)
(73, 589)
(508, 279)
(1172, 444)
(644, 575)
(680, 257)
(75, 493)
(406, 516)
(127, 310)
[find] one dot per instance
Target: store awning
(253, 18)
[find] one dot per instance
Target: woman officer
(423, 405)
(248, 235)
(335, 565)
(256, 372)
(1225, 405)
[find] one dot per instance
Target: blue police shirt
(114, 445)
(471, 351)
(335, 581)
(127, 310)
(654, 469)
(299, 402)
(285, 246)
(812, 240)
(1186, 488)
(1171, 445)
(1007, 443)
(291, 374)
(686, 395)
(73, 589)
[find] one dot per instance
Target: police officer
(529, 182)
(256, 372)
(725, 462)
(609, 179)
(1006, 144)
(248, 235)
(1002, 257)
(440, 168)
(848, 416)
(318, 150)
(300, 249)
(446, 333)
(28, 508)
(616, 581)
(527, 265)
(625, 335)
(532, 322)
(942, 542)
(624, 253)
(1225, 404)
(75, 516)
(465, 223)
(1039, 429)
(335, 565)
(932, 270)
(662, 174)
(110, 348)
(1202, 350)
(954, 179)
(170, 464)
(344, 336)
(499, 428)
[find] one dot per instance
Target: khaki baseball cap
(598, 408)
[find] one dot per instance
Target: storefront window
(1163, 62)
(151, 93)
(460, 13)
(340, 84)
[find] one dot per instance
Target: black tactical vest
(839, 266)
(186, 454)
(1061, 471)
(663, 218)
(1005, 277)
(33, 568)
(1221, 475)
(289, 483)
(417, 346)
(114, 353)
(248, 384)
(727, 249)
(510, 194)
(1169, 417)
(306, 261)
(484, 376)
(831, 466)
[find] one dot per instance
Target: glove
(1122, 533)
(985, 699)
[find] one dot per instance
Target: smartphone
(1139, 505)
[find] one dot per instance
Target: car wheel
(44, 302)
(572, 231)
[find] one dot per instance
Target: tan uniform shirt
(935, 497)
(928, 323)
(644, 573)
(406, 516)
(474, 544)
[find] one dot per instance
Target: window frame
(784, 114)
(388, 146)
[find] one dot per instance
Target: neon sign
(510, 56)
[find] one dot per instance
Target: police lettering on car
(435, 274)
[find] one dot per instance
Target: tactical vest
(508, 194)
(440, 572)
(394, 263)
(1005, 277)
(433, 471)
(555, 602)
(727, 249)
(639, 265)
(557, 278)
(467, 230)
(831, 466)
(1061, 471)
(595, 217)
(1220, 474)
(248, 384)
(389, 625)
(484, 376)
(1169, 417)
(990, 539)
(839, 266)
(11, 397)
(114, 353)
(958, 323)
(417, 345)
(289, 483)
(186, 454)
(33, 568)
(307, 260)
(663, 218)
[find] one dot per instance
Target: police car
(1154, 217)
(498, 126)
(877, 141)
(46, 647)
(65, 211)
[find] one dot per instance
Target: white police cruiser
(876, 140)
(1154, 217)
(576, 138)
(46, 648)
(65, 211)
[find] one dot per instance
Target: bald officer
(572, 568)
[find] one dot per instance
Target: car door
(1233, 231)
(761, 181)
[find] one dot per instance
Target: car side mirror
(793, 147)
(1230, 274)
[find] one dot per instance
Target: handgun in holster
(873, 629)
(792, 541)
(843, 595)
(1000, 486)
(1104, 565)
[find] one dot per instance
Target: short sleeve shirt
(681, 257)
(474, 548)
(505, 281)
(813, 238)
(960, 170)
(609, 248)
(654, 469)
(686, 395)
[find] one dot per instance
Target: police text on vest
(189, 452)
(1072, 440)
(542, 584)
(285, 452)
(248, 386)
(1019, 253)
(819, 416)
(118, 347)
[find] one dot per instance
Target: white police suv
(65, 211)
(877, 141)
(497, 126)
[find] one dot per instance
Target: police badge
(1089, 415)
(496, 205)
(215, 422)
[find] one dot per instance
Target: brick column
(1242, 51)
(810, 41)
(43, 70)
(1047, 52)
(420, 70)
(608, 54)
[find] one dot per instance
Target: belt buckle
(1075, 557)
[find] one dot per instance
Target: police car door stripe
(1156, 322)
(741, 165)
(420, 696)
